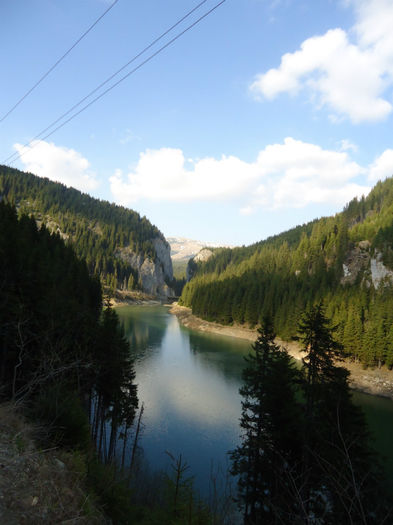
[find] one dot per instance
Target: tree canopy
(96, 229)
(305, 454)
(59, 352)
(287, 273)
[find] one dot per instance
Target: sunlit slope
(114, 241)
(345, 260)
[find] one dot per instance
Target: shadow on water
(379, 416)
(144, 328)
(189, 383)
(223, 353)
(189, 386)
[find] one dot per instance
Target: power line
(58, 62)
(148, 59)
(10, 158)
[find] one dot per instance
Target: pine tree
(341, 480)
(321, 350)
(304, 458)
(265, 460)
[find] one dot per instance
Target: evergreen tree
(266, 459)
(327, 259)
(100, 232)
(59, 353)
(341, 481)
(305, 458)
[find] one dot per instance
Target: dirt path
(370, 381)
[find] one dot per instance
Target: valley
(187, 358)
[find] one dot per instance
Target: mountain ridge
(119, 245)
(345, 260)
(183, 249)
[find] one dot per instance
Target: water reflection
(189, 387)
(144, 328)
(379, 416)
(223, 353)
(189, 383)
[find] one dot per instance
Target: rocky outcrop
(153, 275)
(183, 249)
(356, 261)
(379, 273)
(360, 262)
(201, 256)
(163, 252)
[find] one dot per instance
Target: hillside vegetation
(62, 358)
(40, 485)
(345, 260)
(96, 229)
(66, 365)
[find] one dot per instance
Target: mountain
(183, 249)
(346, 261)
(119, 245)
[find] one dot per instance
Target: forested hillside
(65, 362)
(62, 358)
(345, 260)
(114, 241)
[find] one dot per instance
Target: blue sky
(267, 114)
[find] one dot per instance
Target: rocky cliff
(153, 275)
(183, 249)
(124, 249)
(202, 256)
(360, 263)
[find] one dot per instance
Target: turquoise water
(189, 383)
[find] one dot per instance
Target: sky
(264, 115)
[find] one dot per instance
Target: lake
(188, 382)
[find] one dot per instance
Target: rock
(163, 252)
(183, 249)
(379, 272)
(364, 245)
(201, 256)
(359, 260)
(153, 275)
(59, 463)
(356, 261)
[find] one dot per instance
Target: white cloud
(58, 163)
(289, 175)
(347, 145)
(374, 27)
(247, 210)
(162, 175)
(382, 167)
(295, 174)
(352, 79)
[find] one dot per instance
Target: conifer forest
(304, 454)
(331, 259)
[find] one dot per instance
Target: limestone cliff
(153, 275)
(100, 232)
(380, 275)
(369, 268)
(202, 256)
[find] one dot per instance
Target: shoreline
(377, 382)
(127, 298)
